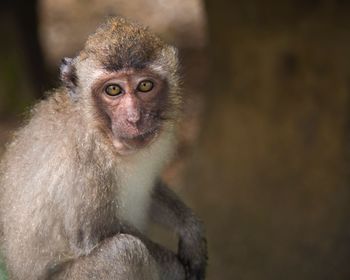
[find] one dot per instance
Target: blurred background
(264, 142)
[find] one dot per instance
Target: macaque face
(132, 103)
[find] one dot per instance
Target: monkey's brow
(133, 58)
(117, 66)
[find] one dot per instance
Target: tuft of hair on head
(120, 44)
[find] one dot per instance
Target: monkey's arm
(126, 256)
(167, 209)
(168, 262)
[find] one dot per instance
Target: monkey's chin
(128, 146)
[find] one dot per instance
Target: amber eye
(145, 86)
(113, 90)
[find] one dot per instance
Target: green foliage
(16, 93)
(3, 274)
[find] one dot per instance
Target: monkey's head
(125, 81)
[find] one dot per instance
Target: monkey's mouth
(141, 140)
(126, 145)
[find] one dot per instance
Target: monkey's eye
(145, 86)
(113, 90)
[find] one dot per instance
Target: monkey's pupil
(145, 86)
(113, 90)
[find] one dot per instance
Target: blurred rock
(66, 24)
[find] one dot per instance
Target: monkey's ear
(68, 74)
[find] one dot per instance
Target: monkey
(80, 180)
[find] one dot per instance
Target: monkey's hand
(169, 210)
(192, 249)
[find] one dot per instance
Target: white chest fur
(137, 174)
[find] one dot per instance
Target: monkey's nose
(133, 117)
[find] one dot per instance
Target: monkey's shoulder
(53, 115)
(47, 127)
(55, 102)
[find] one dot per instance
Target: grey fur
(60, 184)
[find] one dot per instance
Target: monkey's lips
(141, 140)
(127, 145)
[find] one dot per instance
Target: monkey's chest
(136, 177)
(135, 203)
(134, 193)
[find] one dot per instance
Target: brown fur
(62, 180)
(119, 45)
